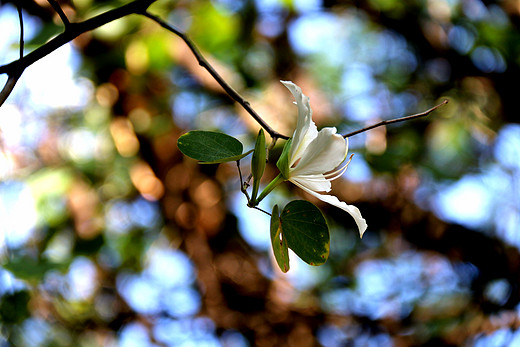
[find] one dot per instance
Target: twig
(15, 74)
(17, 67)
(227, 88)
(243, 187)
(259, 209)
(402, 119)
(248, 179)
(8, 87)
(60, 13)
(271, 146)
(137, 6)
(20, 17)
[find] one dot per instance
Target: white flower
(311, 158)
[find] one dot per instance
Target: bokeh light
(110, 236)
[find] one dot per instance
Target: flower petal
(317, 183)
(325, 153)
(306, 130)
(331, 199)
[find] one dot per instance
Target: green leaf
(13, 307)
(281, 253)
(283, 161)
(224, 25)
(306, 231)
(210, 147)
(27, 268)
(225, 160)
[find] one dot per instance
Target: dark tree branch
(20, 17)
(72, 31)
(227, 88)
(235, 96)
(76, 29)
(402, 119)
(15, 75)
(60, 12)
(8, 87)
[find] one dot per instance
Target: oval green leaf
(306, 231)
(278, 242)
(210, 147)
(224, 160)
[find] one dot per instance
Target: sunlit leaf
(223, 24)
(31, 269)
(306, 231)
(279, 243)
(49, 187)
(210, 147)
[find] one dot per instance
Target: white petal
(317, 183)
(330, 199)
(325, 153)
(306, 130)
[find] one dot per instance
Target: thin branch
(14, 75)
(402, 119)
(271, 146)
(8, 87)
(227, 88)
(248, 179)
(137, 6)
(20, 17)
(235, 96)
(259, 209)
(60, 13)
(73, 30)
(243, 187)
(17, 67)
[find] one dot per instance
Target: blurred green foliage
(112, 237)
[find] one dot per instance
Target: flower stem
(268, 189)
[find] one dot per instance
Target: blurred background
(109, 236)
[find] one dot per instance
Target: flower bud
(258, 162)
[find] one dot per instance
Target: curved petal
(330, 199)
(325, 153)
(317, 183)
(306, 130)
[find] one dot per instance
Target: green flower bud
(258, 162)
